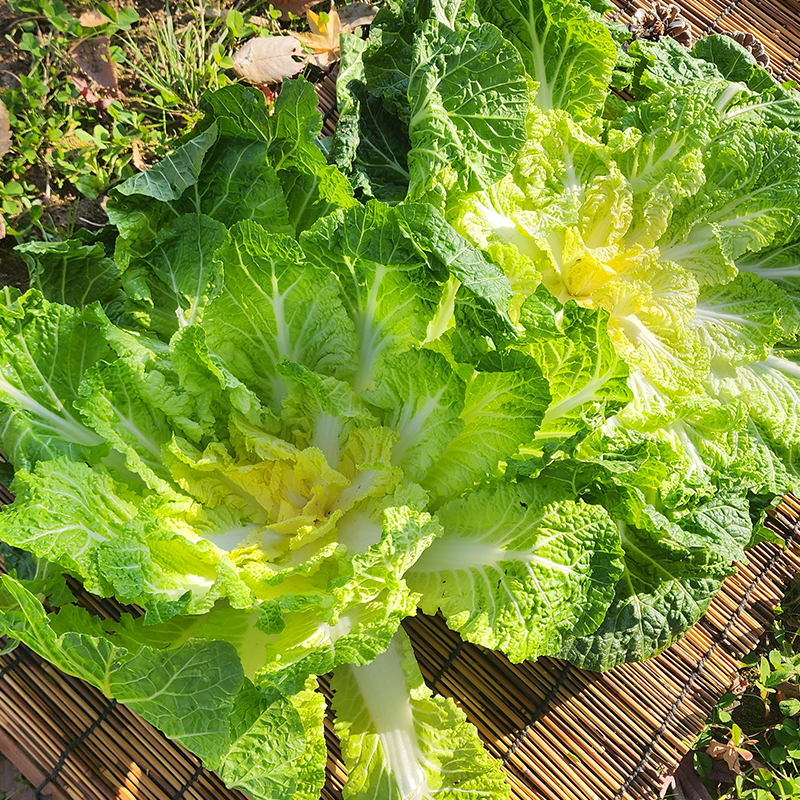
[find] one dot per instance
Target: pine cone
(661, 19)
(749, 42)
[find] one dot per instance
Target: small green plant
(59, 135)
(750, 749)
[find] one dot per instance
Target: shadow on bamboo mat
(560, 733)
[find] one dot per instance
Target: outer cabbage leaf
(469, 100)
(120, 543)
(273, 306)
(770, 390)
(520, 569)
(74, 273)
(741, 321)
(781, 265)
(748, 202)
(46, 348)
(400, 743)
(386, 288)
(312, 188)
(587, 378)
(371, 145)
(266, 743)
(566, 50)
(671, 572)
(505, 401)
(421, 398)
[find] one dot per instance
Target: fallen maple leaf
(267, 59)
(94, 60)
(326, 29)
(323, 39)
(728, 753)
(5, 130)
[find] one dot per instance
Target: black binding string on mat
(537, 714)
(621, 10)
(698, 670)
(785, 72)
(724, 13)
(20, 654)
(190, 781)
(62, 759)
(446, 666)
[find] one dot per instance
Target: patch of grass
(69, 133)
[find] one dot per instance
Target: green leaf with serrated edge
(183, 275)
(280, 752)
(46, 349)
(371, 145)
(267, 743)
(781, 265)
(469, 100)
(167, 180)
(483, 281)
(660, 65)
(311, 187)
(505, 401)
(389, 55)
(671, 572)
(400, 742)
(748, 202)
(119, 542)
(519, 569)
(386, 287)
(113, 404)
(421, 397)
(566, 51)
(587, 378)
(768, 100)
(271, 306)
(770, 391)
(73, 273)
(238, 183)
(187, 692)
(740, 322)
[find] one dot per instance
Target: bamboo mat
(776, 23)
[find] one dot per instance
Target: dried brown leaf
(268, 59)
(136, 156)
(2, 227)
(89, 95)
(355, 15)
(91, 19)
(787, 691)
(728, 753)
(94, 60)
(5, 130)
